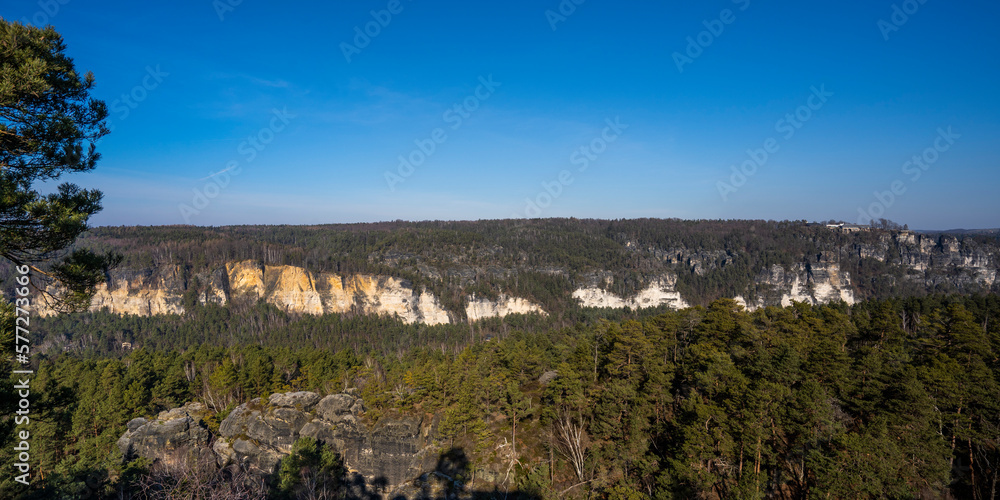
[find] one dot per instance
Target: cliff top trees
(49, 125)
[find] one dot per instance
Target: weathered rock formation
(659, 292)
(258, 434)
(942, 260)
(816, 283)
(480, 308)
(177, 434)
(291, 288)
(143, 293)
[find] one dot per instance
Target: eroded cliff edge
(162, 290)
(855, 268)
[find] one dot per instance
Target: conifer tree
(49, 126)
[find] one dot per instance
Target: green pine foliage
(889, 398)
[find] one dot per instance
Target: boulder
(135, 423)
(178, 434)
(335, 405)
(302, 400)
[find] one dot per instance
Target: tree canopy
(49, 126)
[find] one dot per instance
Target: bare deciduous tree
(572, 440)
(182, 476)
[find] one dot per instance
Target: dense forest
(884, 399)
(543, 260)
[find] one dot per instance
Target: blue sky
(866, 85)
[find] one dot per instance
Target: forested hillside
(892, 393)
(891, 398)
(546, 261)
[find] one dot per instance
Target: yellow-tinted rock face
(291, 288)
(295, 289)
(246, 278)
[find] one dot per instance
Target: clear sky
(307, 116)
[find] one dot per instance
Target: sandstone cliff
(660, 292)
(294, 289)
(825, 266)
(816, 283)
(480, 308)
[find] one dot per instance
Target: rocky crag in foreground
(258, 434)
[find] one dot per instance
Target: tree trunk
(972, 470)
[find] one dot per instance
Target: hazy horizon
(919, 229)
(230, 114)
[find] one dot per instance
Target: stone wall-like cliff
(480, 308)
(817, 283)
(661, 291)
(294, 289)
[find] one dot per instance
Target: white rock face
(213, 295)
(821, 284)
(141, 294)
(429, 311)
(659, 292)
(142, 302)
(478, 309)
(595, 297)
(386, 295)
(751, 307)
(796, 294)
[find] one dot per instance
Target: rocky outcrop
(259, 434)
(397, 448)
(942, 260)
(480, 308)
(144, 293)
(174, 435)
(816, 283)
(660, 292)
(297, 290)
